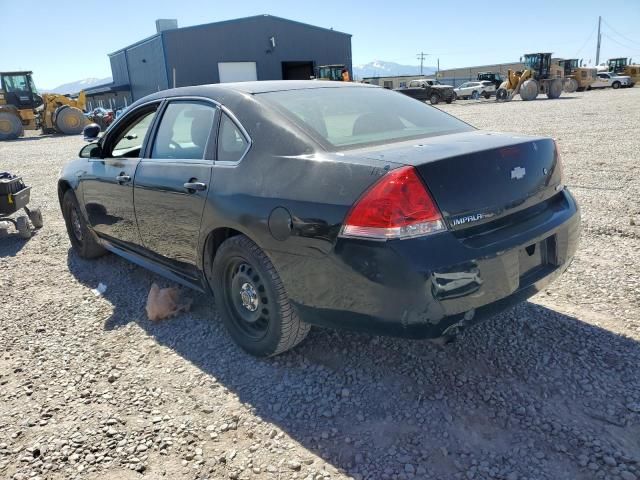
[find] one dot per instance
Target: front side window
(232, 143)
(129, 142)
(350, 117)
(184, 131)
(16, 84)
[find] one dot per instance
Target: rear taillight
(396, 206)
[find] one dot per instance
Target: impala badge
(518, 173)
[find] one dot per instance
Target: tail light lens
(397, 206)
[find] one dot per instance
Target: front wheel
(434, 99)
(82, 238)
(252, 300)
(615, 85)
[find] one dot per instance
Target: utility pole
(421, 56)
(599, 40)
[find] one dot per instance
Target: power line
(619, 34)
(616, 41)
(587, 40)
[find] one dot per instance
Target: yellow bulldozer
(577, 77)
(540, 76)
(622, 66)
(22, 108)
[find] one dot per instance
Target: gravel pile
(89, 388)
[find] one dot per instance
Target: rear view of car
(329, 204)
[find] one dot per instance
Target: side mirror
(92, 150)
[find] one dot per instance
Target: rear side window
(184, 131)
(232, 143)
(346, 117)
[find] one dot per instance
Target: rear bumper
(435, 285)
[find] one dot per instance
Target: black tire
(22, 225)
(10, 126)
(252, 300)
(69, 120)
(434, 99)
(487, 95)
(615, 85)
(449, 100)
(475, 95)
(82, 238)
(502, 94)
(35, 215)
(455, 96)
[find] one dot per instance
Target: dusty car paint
(291, 196)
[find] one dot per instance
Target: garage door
(237, 71)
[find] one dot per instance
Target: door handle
(195, 186)
(123, 178)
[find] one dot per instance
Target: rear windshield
(350, 117)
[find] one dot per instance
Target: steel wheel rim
(247, 298)
(76, 226)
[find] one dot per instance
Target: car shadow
(529, 380)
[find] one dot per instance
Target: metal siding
(195, 52)
(119, 71)
(150, 75)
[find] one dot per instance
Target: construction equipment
(540, 76)
(623, 66)
(577, 77)
(335, 73)
(493, 77)
(14, 196)
(22, 108)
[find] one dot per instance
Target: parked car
(428, 89)
(342, 205)
(101, 116)
(474, 90)
(612, 80)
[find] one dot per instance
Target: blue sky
(67, 40)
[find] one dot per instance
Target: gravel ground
(89, 388)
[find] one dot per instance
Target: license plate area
(537, 260)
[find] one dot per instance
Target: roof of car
(216, 90)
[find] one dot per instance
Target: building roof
(227, 22)
(106, 87)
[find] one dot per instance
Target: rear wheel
(475, 95)
(570, 85)
(502, 94)
(615, 85)
(69, 120)
(529, 90)
(554, 88)
(10, 126)
(487, 95)
(22, 225)
(434, 99)
(252, 300)
(82, 238)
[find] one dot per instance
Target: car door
(107, 190)
(603, 81)
(171, 182)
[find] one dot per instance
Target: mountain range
(380, 68)
(75, 87)
(377, 68)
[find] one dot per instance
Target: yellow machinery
(540, 76)
(577, 77)
(622, 66)
(336, 73)
(22, 108)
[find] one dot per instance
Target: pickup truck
(428, 89)
(609, 79)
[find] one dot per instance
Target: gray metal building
(263, 47)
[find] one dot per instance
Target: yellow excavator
(622, 66)
(540, 75)
(577, 77)
(22, 108)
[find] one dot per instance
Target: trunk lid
(477, 177)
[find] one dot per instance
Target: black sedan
(321, 203)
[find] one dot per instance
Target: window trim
(114, 129)
(210, 149)
(239, 126)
